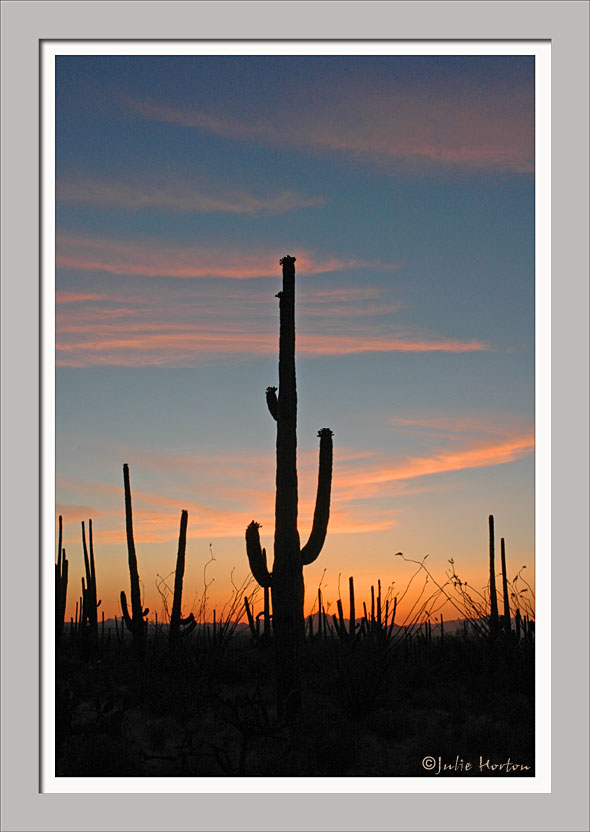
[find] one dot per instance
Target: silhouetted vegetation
(378, 696)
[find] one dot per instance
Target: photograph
(295, 413)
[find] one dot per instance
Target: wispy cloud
(157, 324)
(180, 197)
(115, 338)
(458, 426)
(150, 258)
(422, 127)
(362, 481)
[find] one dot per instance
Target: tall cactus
(286, 579)
(61, 585)
(90, 604)
(176, 620)
(135, 622)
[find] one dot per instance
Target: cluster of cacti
(286, 578)
(61, 585)
(178, 625)
(136, 623)
(90, 604)
(501, 623)
(377, 625)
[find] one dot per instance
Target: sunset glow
(404, 188)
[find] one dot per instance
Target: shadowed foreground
(370, 708)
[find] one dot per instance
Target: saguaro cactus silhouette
(188, 624)
(286, 579)
(135, 622)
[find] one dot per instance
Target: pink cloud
(152, 260)
(436, 127)
(168, 344)
(78, 297)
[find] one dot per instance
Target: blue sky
(405, 188)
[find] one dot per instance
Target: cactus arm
(257, 555)
(125, 611)
(190, 625)
(313, 547)
(272, 402)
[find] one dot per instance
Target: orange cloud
(180, 197)
(359, 482)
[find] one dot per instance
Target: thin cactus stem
(507, 624)
(494, 621)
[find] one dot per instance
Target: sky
(404, 187)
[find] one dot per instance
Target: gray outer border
(24, 24)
